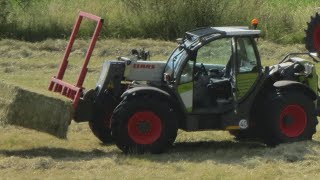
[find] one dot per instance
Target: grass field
(26, 154)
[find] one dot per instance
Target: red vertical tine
(94, 39)
(74, 92)
(64, 63)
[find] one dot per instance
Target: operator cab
(215, 67)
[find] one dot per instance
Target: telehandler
(213, 80)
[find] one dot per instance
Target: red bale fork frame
(57, 84)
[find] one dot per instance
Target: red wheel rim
(293, 120)
(316, 38)
(144, 127)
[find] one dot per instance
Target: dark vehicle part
(313, 34)
(141, 54)
(290, 117)
(140, 125)
(245, 135)
(288, 85)
(100, 124)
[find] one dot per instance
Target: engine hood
(144, 70)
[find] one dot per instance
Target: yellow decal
(110, 85)
(232, 127)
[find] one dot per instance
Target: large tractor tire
(288, 117)
(144, 124)
(100, 124)
(313, 34)
(100, 127)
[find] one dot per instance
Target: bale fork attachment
(74, 92)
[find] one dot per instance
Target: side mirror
(180, 43)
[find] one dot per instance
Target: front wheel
(143, 124)
(288, 117)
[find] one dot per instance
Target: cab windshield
(175, 61)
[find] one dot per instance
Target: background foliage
(32, 20)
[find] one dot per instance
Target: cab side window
(246, 57)
(215, 55)
(187, 73)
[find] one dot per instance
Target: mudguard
(145, 90)
(286, 84)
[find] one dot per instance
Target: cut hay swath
(22, 107)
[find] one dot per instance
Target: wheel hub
(293, 120)
(144, 127)
(288, 120)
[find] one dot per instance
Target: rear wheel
(289, 117)
(143, 124)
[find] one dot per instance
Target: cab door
(204, 82)
(248, 67)
(185, 85)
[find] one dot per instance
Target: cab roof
(226, 31)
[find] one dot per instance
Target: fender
(161, 94)
(286, 84)
(146, 90)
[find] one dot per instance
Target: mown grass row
(281, 21)
(27, 154)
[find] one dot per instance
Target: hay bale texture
(22, 107)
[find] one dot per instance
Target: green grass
(33, 64)
(27, 154)
(201, 155)
(281, 20)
